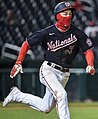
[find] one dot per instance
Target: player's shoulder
(79, 33)
(42, 32)
(45, 31)
(49, 28)
(77, 29)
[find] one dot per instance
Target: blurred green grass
(21, 111)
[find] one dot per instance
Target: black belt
(58, 67)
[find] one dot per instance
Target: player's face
(64, 18)
(66, 13)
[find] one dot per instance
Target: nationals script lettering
(54, 46)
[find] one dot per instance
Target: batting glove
(15, 70)
(90, 69)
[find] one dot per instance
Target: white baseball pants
(55, 94)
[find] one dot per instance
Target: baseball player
(60, 42)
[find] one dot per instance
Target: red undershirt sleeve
(89, 57)
(23, 51)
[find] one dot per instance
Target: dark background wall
(18, 20)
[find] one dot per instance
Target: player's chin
(66, 26)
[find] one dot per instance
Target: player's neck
(60, 27)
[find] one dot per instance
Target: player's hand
(90, 69)
(15, 70)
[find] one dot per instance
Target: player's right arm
(31, 40)
(18, 65)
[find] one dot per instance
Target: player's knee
(47, 110)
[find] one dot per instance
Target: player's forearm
(23, 51)
(89, 57)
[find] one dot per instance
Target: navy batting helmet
(62, 6)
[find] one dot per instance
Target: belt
(58, 67)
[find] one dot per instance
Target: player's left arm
(86, 45)
(90, 61)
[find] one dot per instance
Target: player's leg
(64, 80)
(54, 80)
(44, 104)
(60, 95)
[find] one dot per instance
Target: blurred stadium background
(18, 18)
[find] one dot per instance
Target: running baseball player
(60, 42)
